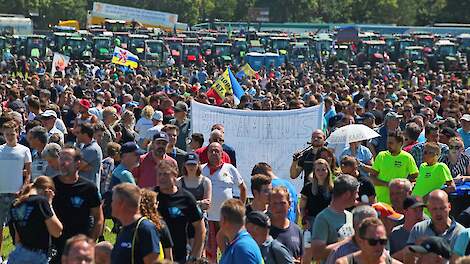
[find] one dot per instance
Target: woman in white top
(144, 122)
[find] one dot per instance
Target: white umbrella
(351, 133)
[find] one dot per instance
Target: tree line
(400, 12)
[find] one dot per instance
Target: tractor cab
(206, 45)
(299, 53)
(137, 44)
(221, 52)
(156, 53)
(175, 45)
(102, 48)
(77, 48)
(191, 53)
(35, 46)
(372, 52)
(279, 45)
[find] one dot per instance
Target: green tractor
(102, 48)
(299, 53)
(3, 45)
(239, 49)
(400, 48)
(221, 52)
(206, 45)
(156, 53)
(137, 44)
(77, 48)
(445, 56)
(464, 46)
(35, 46)
(413, 57)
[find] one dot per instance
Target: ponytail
(24, 194)
(41, 183)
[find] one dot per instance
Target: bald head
(318, 138)
(438, 195)
(214, 153)
(439, 207)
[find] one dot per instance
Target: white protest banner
(260, 136)
(59, 63)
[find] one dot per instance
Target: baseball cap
(366, 115)
(465, 117)
(258, 218)
(412, 202)
(85, 103)
(385, 210)
(435, 245)
(157, 115)
(181, 107)
(132, 104)
(161, 136)
(392, 115)
(130, 147)
(49, 113)
(192, 158)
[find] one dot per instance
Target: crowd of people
(107, 143)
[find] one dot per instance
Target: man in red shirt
(146, 173)
(216, 136)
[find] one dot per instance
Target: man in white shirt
(17, 158)
(225, 178)
(48, 120)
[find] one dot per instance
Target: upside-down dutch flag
(227, 83)
(125, 58)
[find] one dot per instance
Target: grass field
(8, 242)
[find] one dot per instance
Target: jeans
(22, 255)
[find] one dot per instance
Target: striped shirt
(459, 167)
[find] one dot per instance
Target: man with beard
(146, 171)
(76, 201)
(304, 162)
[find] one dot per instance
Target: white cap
(465, 117)
(157, 115)
(49, 113)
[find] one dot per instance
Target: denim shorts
(22, 255)
(6, 199)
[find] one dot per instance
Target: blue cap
(192, 158)
(161, 136)
(130, 147)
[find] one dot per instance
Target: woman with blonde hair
(126, 125)
(145, 122)
(34, 222)
(148, 208)
(316, 195)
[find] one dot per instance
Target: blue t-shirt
(292, 213)
(121, 175)
(147, 241)
(243, 249)
(465, 137)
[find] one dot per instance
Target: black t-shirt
(29, 218)
(146, 241)
(366, 187)
(316, 203)
(306, 162)
(72, 204)
(165, 236)
(178, 210)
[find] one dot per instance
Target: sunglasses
(454, 147)
(374, 242)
